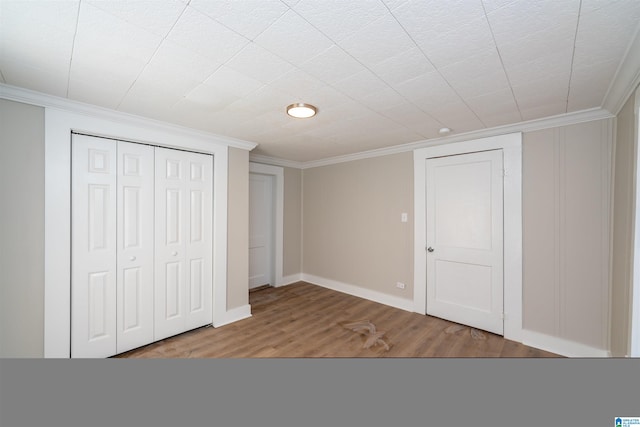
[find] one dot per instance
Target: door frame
(277, 173)
(511, 146)
(59, 124)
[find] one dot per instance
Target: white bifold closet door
(183, 225)
(141, 266)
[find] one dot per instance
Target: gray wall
(21, 230)
(566, 232)
(352, 231)
(351, 223)
(622, 242)
(292, 233)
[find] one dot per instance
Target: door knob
(430, 249)
(132, 258)
(174, 253)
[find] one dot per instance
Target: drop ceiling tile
(102, 34)
(248, 17)
(31, 77)
(176, 59)
(541, 92)
(144, 99)
(298, 84)
(338, 19)
(207, 99)
(604, 33)
(403, 66)
(233, 81)
(453, 114)
(153, 16)
(394, 4)
(501, 119)
(546, 110)
(378, 41)
(37, 16)
(476, 75)
(427, 91)
(381, 100)
(52, 51)
(332, 65)
(101, 91)
(166, 80)
(426, 20)
(521, 20)
(552, 66)
(413, 118)
(360, 85)
(493, 103)
(491, 5)
(469, 39)
(199, 33)
(283, 39)
(271, 67)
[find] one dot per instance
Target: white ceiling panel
(248, 17)
(199, 33)
(378, 41)
(283, 39)
(380, 72)
(339, 19)
(259, 64)
(157, 17)
(332, 65)
(403, 66)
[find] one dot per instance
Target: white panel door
(183, 247)
(199, 241)
(260, 229)
(135, 242)
(465, 239)
(93, 247)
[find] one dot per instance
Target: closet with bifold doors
(141, 244)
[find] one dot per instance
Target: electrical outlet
(403, 217)
(400, 285)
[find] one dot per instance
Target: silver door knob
(430, 249)
(132, 258)
(174, 253)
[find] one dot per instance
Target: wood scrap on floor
(368, 329)
(475, 333)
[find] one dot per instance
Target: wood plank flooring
(306, 321)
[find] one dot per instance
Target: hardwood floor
(305, 321)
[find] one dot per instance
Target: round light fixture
(301, 110)
(444, 131)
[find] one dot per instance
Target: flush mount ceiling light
(444, 131)
(301, 110)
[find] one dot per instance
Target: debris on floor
(368, 329)
(475, 333)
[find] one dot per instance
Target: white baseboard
(371, 295)
(561, 346)
(235, 314)
(288, 280)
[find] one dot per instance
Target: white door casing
(135, 245)
(464, 239)
(93, 247)
(183, 241)
(511, 146)
(260, 230)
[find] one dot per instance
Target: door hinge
(502, 316)
(505, 172)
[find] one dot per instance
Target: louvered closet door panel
(135, 215)
(198, 251)
(171, 233)
(93, 247)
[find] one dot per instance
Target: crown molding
(528, 126)
(626, 79)
(18, 94)
(274, 161)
